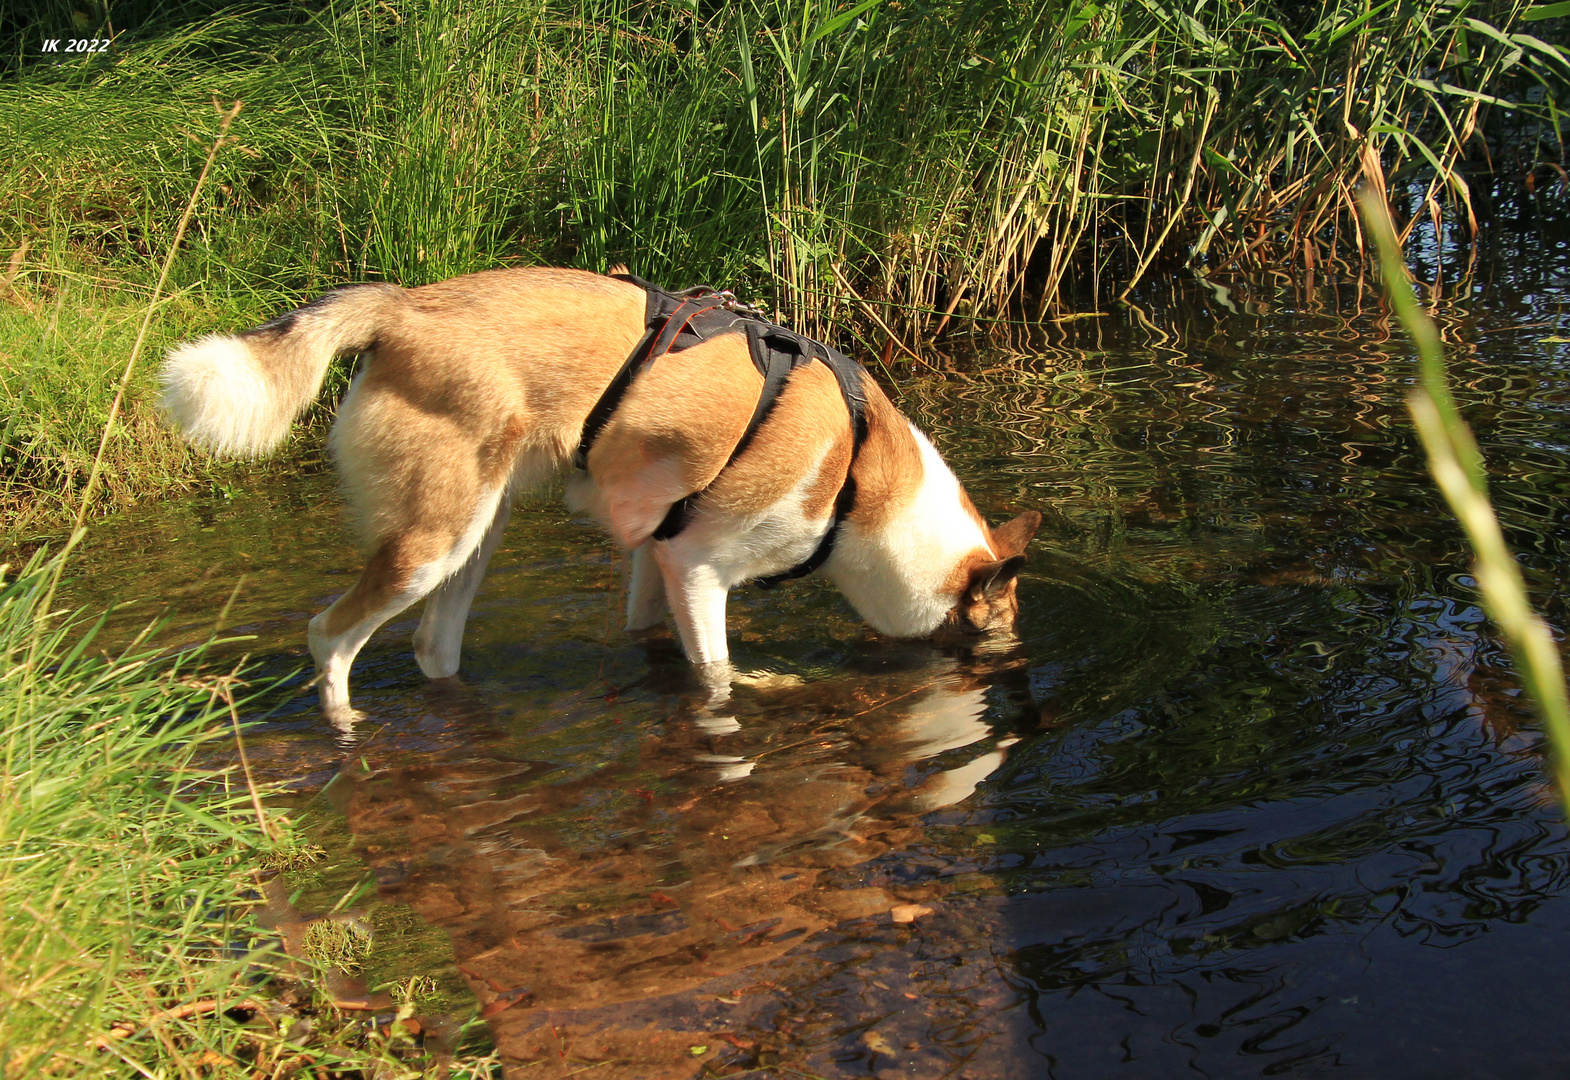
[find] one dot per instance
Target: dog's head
(985, 599)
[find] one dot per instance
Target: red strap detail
(676, 322)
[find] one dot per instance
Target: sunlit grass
(870, 170)
(120, 863)
(924, 162)
(128, 872)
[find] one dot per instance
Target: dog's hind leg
(403, 569)
(645, 590)
(439, 640)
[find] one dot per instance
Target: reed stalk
(225, 119)
(1457, 466)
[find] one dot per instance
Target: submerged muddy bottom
(1252, 794)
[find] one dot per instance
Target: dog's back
(457, 346)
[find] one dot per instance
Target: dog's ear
(991, 578)
(1010, 538)
(619, 268)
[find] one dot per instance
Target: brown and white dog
(477, 390)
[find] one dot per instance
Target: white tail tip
(221, 400)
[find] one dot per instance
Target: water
(1253, 795)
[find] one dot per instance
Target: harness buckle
(730, 302)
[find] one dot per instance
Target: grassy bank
(128, 874)
(61, 355)
(876, 170)
(101, 870)
(916, 154)
(62, 352)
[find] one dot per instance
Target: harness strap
(843, 505)
(775, 365)
(656, 342)
(774, 350)
(848, 374)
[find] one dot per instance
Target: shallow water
(1252, 795)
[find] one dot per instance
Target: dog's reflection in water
(726, 839)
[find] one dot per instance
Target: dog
(478, 389)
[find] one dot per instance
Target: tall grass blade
(1458, 469)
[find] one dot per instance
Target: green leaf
(1457, 91)
(842, 20)
(1223, 163)
(1553, 52)
(1545, 11)
(1346, 28)
(1489, 31)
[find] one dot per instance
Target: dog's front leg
(645, 590)
(697, 600)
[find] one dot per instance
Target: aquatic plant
(343, 945)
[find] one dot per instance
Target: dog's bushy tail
(237, 395)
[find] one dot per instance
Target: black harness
(677, 321)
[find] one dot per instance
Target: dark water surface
(1252, 794)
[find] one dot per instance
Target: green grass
(59, 363)
(925, 154)
(61, 356)
(127, 874)
(120, 864)
(870, 170)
